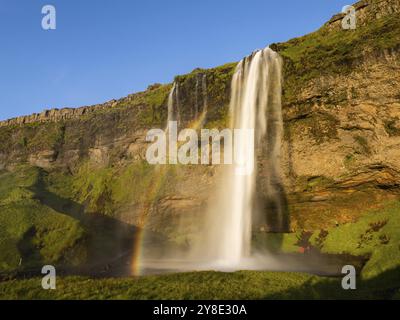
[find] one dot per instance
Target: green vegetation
(107, 189)
(363, 143)
(91, 186)
(69, 218)
(391, 129)
(218, 82)
(32, 233)
(198, 285)
(155, 98)
(334, 52)
(32, 137)
(376, 235)
(313, 183)
(276, 242)
(349, 160)
(321, 126)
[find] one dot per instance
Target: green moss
(197, 285)
(363, 143)
(349, 161)
(321, 126)
(391, 128)
(150, 105)
(106, 190)
(218, 82)
(32, 233)
(375, 234)
(313, 183)
(327, 52)
(276, 242)
(132, 183)
(92, 187)
(208, 285)
(156, 100)
(6, 138)
(221, 119)
(32, 137)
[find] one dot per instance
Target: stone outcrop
(56, 115)
(366, 10)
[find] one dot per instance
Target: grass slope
(376, 234)
(32, 233)
(196, 285)
(326, 52)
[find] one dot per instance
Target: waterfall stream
(255, 104)
(224, 240)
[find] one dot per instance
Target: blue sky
(107, 49)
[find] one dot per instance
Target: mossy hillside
(141, 109)
(321, 127)
(151, 105)
(328, 52)
(198, 285)
(314, 210)
(31, 137)
(276, 242)
(313, 183)
(149, 108)
(125, 116)
(375, 234)
(109, 189)
(32, 233)
(218, 82)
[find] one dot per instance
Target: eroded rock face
(43, 159)
(366, 11)
(2, 159)
(340, 154)
(56, 114)
(341, 142)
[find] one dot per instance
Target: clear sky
(105, 49)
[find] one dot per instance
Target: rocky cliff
(341, 108)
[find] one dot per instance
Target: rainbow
(157, 182)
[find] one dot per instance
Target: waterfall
(197, 98)
(173, 104)
(204, 92)
(204, 95)
(224, 240)
(255, 104)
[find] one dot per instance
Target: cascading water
(204, 92)
(255, 104)
(201, 96)
(224, 242)
(173, 104)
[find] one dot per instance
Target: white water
(204, 92)
(173, 104)
(201, 95)
(255, 104)
(225, 240)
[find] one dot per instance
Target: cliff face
(341, 106)
(341, 116)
